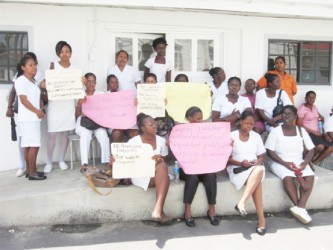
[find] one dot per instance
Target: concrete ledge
(65, 197)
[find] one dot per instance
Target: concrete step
(66, 198)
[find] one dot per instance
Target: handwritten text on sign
(64, 84)
(112, 110)
(182, 95)
(151, 99)
(201, 147)
(132, 160)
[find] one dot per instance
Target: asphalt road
(283, 233)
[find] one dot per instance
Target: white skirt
(239, 179)
(282, 171)
(30, 134)
(60, 115)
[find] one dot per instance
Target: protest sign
(112, 110)
(151, 99)
(201, 147)
(64, 84)
(132, 160)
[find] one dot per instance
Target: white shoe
(20, 172)
(300, 214)
(48, 169)
(63, 165)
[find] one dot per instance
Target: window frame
(299, 65)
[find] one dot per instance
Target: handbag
(101, 180)
(305, 149)
(164, 124)
(279, 106)
(89, 124)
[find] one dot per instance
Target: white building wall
(243, 41)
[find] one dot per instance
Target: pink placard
(112, 110)
(201, 147)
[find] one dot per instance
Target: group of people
(270, 109)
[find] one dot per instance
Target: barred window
(310, 62)
(13, 45)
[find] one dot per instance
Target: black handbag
(279, 106)
(164, 124)
(89, 124)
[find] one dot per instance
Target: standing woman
(86, 134)
(218, 87)
(30, 114)
(159, 65)
(266, 101)
(285, 148)
(194, 115)
(147, 129)
(60, 113)
(287, 81)
(228, 108)
(127, 75)
(245, 167)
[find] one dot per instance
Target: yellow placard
(181, 96)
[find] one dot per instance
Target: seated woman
(86, 134)
(250, 86)
(266, 101)
(147, 129)
(151, 78)
(181, 78)
(245, 167)
(218, 86)
(118, 135)
(229, 107)
(285, 148)
(308, 116)
(328, 125)
(194, 115)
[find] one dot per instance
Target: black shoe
(40, 174)
(214, 220)
(260, 230)
(189, 222)
(240, 211)
(37, 178)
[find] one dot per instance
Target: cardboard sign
(182, 95)
(112, 110)
(64, 84)
(151, 99)
(201, 147)
(132, 160)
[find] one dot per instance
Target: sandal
(189, 221)
(84, 168)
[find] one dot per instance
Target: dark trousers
(192, 182)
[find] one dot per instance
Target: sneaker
(20, 172)
(300, 214)
(63, 165)
(48, 169)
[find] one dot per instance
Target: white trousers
(85, 139)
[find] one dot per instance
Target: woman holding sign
(86, 134)
(147, 129)
(60, 113)
(194, 115)
(245, 167)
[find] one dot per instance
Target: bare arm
(168, 76)
(11, 99)
(146, 72)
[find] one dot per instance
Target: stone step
(66, 198)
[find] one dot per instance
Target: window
(13, 45)
(308, 61)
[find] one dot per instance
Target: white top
(328, 125)
(288, 148)
(225, 107)
(126, 78)
(220, 91)
(158, 69)
(38, 77)
(269, 103)
(30, 89)
(161, 149)
(60, 113)
(244, 150)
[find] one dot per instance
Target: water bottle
(320, 125)
(176, 172)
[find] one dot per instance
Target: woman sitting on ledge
(147, 129)
(245, 167)
(285, 148)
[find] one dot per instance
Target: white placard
(151, 99)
